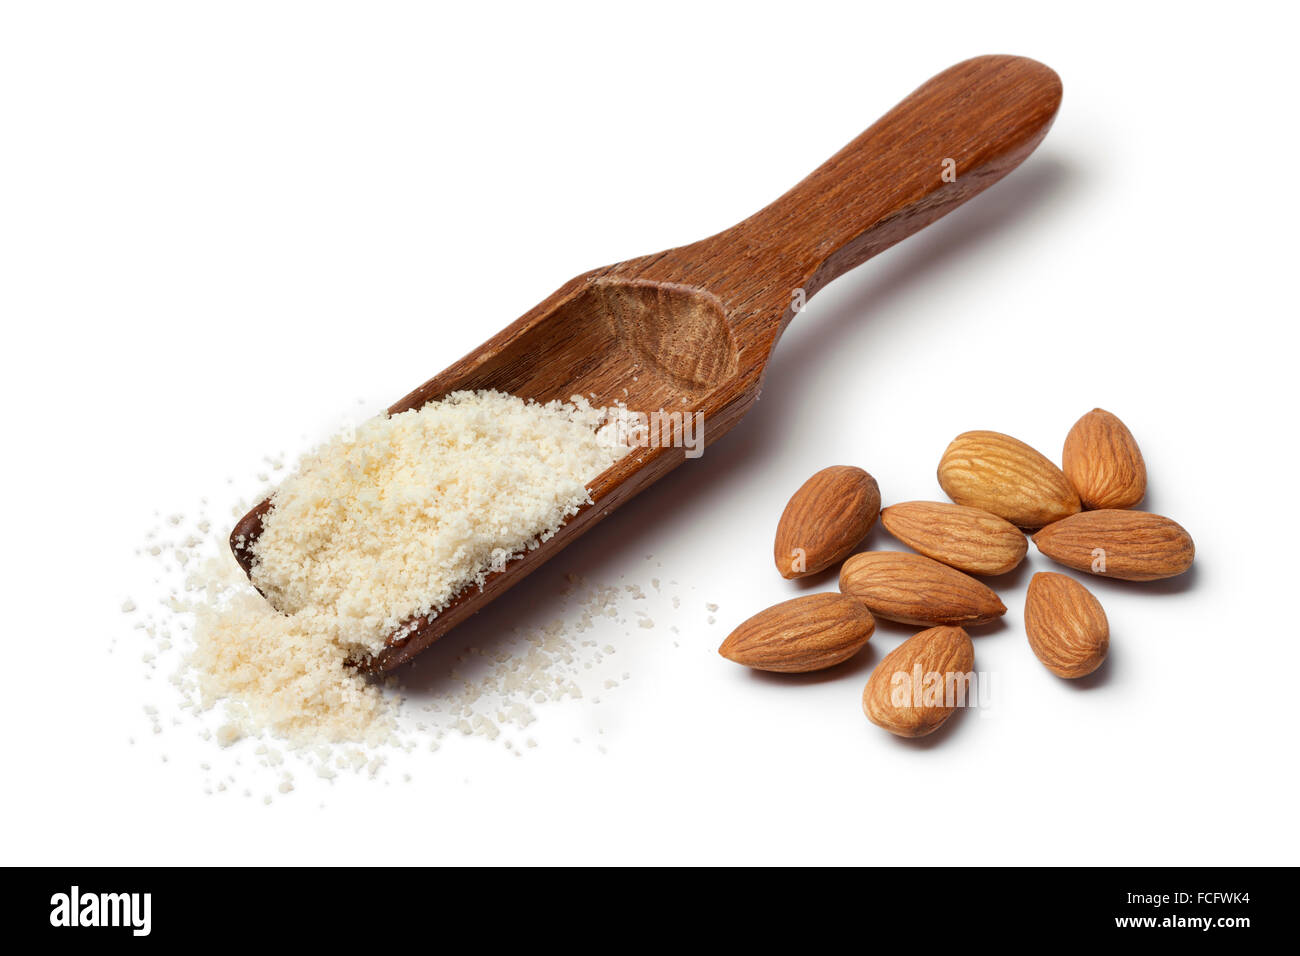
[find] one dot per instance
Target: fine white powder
(381, 525)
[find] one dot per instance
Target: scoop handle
(952, 138)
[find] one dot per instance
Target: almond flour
(379, 525)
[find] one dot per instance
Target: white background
(222, 225)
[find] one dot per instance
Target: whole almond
(921, 682)
(1131, 545)
(967, 539)
(1006, 477)
(807, 633)
(1066, 625)
(1103, 462)
(914, 589)
(825, 520)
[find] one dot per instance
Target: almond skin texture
(967, 539)
(808, 633)
(1066, 625)
(825, 520)
(1005, 477)
(1130, 545)
(914, 589)
(898, 695)
(1103, 462)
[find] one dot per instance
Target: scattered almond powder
(381, 524)
(238, 654)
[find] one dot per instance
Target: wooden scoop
(699, 322)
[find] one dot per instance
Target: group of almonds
(998, 487)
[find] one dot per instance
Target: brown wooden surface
(699, 322)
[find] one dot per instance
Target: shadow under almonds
(1100, 584)
(825, 579)
(1011, 580)
(695, 492)
(1098, 678)
(860, 664)
(950, 728)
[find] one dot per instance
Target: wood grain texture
(698, 323)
